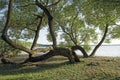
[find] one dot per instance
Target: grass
(58, 68)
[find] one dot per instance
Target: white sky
(43, 38)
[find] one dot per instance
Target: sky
(43, 38)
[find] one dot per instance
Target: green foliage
(23, 21)
(79, 20)
(101, 12)
(49, 38)
(2, 4)
(24, 43)
(115, 32)
(5, 48)
(72, 22)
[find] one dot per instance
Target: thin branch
(54, 3)
(38, 16)
(74, 19)
(37, 32)
(30, 29)
(72, 33)
(71, 37)
(26, 5)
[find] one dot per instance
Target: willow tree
(26, 18)
(103, 16)
(76, 32)
(68, 20)
(80, 20)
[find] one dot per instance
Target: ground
(58, 68)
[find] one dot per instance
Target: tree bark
(76, 58)
(57, 51)
(81, 49)
(101, 41)
(36, 34)
(50, 22)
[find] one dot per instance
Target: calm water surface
(106, 50)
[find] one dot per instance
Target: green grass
(58, 68)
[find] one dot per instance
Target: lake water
(106, 50)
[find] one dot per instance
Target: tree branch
(37, 32)
(4, 34)
(27, 5)
(71, 37)
(54, 3)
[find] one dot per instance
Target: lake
(106, 50)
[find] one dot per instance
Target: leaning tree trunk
(50, 22)
(100, 43)
(57, 51)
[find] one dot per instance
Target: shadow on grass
(29, 68)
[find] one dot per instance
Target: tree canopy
(81, 22)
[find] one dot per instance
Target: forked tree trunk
(101, 41)
(50, 22)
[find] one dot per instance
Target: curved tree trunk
(81, 49)
(5, 36)
(57, 51)
(100, 43)
(50, 22)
